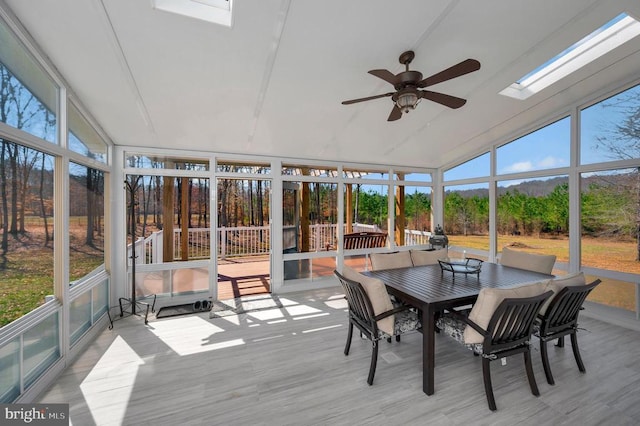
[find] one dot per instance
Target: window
(609, 203)
(142, 161)
(86, 220)
(215, 11)
(545, 148)
(601, 41)
(297, 170)
(533, 214)
(310, 217)
(608, 129)
(466, 216)
(413, 215)
(243, 167)
(26, 235)
(27, 95)
(476, 167)
(83, 138)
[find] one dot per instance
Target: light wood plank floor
(286, 367)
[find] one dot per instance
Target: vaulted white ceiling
(273, 83)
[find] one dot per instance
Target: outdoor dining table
(431, 290)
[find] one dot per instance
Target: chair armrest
(469, 322)
(391, 312)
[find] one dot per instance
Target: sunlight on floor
(172, 333)
(111, 379)
(336, 302)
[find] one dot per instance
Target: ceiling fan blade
(353, 101)
(464, 67)
(396, 114)
(441, 98)
(386, 75)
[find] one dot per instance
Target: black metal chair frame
(561, 319)
(361, 315)
(508, 333)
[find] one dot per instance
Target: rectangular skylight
(216, 11)
(614, 33)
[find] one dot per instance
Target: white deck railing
(249, 241)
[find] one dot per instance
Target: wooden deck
(243, 277)
(286, 367)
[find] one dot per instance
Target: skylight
(614, 33)
(216, 11)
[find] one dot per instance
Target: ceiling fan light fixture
(407, 101)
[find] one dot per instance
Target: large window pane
(609, 129)
(243, 167)
(533, 215)
(476, 167)
(171, 217)
(41, 348)
(609, 237)
(299, 170)
(310, 211)
(466, 216)
(26, 234)
(369, 208)
(100, 298)
(27, 95)
(10, 371)
(413, 215)
(143, 161)
(546, 148)
(79, 316)
(86, 220)
(83, 138)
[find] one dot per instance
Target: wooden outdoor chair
(508, 333)
(560, 318)
(371, 311)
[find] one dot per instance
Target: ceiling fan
(407, 85)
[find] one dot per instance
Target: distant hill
(542, 187)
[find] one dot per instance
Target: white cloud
(526, 166)
(550, 162)
(522, 166)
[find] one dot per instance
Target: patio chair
(380, 261)
(428, 257)
(371, 311)
(542, 263)
(559, 317)
(499, 325)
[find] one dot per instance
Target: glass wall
(33, 279)
(610, 197)
(533, 215)
(86, 220)
(26, 234)
(28, 96)
(466, 218)
(413, 215)
(82, 137)
(41, 347)
(545, 148)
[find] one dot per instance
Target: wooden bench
(361, 240)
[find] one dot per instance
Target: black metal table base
(137, 307)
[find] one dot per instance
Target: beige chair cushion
(424, 257)
(558, 284)
(401, 259)
(530, 261)
(377, 292)
(488, 301)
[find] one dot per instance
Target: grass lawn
(596, 252)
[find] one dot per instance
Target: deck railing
(248, 241)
